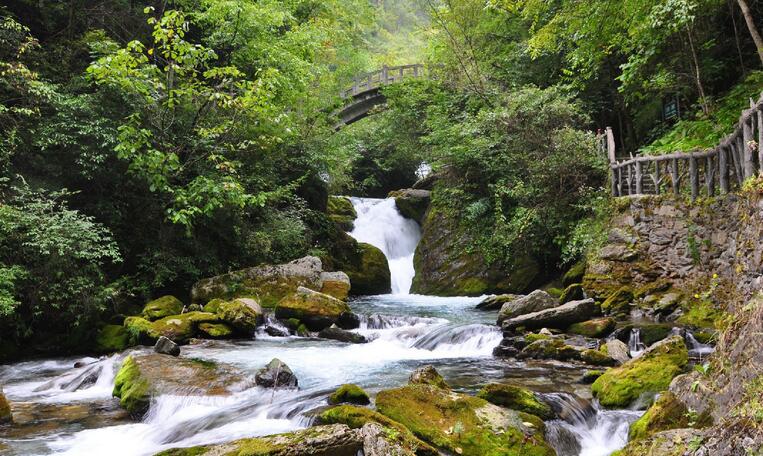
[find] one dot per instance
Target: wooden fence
(724, 168)
(387, 75)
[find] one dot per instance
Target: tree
(754, 33)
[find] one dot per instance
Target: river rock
(162, 307)
(112, 338)
(496, 302)
(178, 328)
(165, 346)
(534, 302)
(349, 394)
(329, 440)
(360, 417)
(243, 314)
(428, 375)
(336, 284)
(461, 424)
(5, 409)
(336, 333)
(598, 327)
(411, 203)
(142, 376)
(276, 375)
(316, 310)
(269, 283)
(559, 317)
(368, 270)
(377, 441)
(516, 398)
(652, 372)
(341, 211)
(617, 350)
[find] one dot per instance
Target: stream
(60, 409)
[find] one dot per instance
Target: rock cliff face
(445, 267)
(700, 265)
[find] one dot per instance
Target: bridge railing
(725, 167)
(385, 76)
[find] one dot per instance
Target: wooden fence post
(723, 169)
(639, 178)
(709, 176)
(610, 138)
(749, 165)
(674, 176)
(693, 177)
(656, 177)
(760, 141)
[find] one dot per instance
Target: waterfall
(635, 346)
(380, 224)
(696, 348)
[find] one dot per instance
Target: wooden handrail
(735, 155)
(372, 80)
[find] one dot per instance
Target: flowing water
(62, 409)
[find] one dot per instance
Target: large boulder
(268, 284)
(617, 350)
(177, 328)
(329, 440)
(162, 307)
(143, 376)
(276, 375)
(496, 302)
(516, 398)
(359, 417)
(368, 271)
(336, 284)
(411, 203)
(242, 314)
(666, 413)
(652, 372)
(316, 310)
(534, 302)
(559, 317)
(341, 211)
(5, 409)
(427, 375)
(446, 267)
(112, 338)
(461, 424)
(598, 327)
(336, 333)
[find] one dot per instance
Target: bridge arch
(365, 93)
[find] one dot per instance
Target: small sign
(670, 109)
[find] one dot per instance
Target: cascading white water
(380, 224)
(635, 346)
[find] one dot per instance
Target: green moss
(703, 314)
(573, 292)
(314, 309)
(357, 417)
(351, 394)
(180, 328)
(618, 303)
(213, 305)
(461, 424)
(112, 338)
(552, 348)
(368, 271)
(596, 357)
(140, 330)
(666, 413)
(162, 307)
(652, 372)
(532, 337)
(657, 286)
(574, 274)
(341, 211)
(242, 317)
(216, 330)
(132, 390)
(555, 292)
(516, 398)
(302, 331)
(471, 286)
(590, 376)
(599, 327)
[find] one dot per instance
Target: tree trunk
(736, 37)
(697, 75)
(751, 26)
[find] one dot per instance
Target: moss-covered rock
(215, 331)
(428, 375)
(666, 413)
(241, 314)
(516, 398)
(341, 211)
(268, 284)
(599, 327)
(329, 440)
(534, 302)
(369, 271)
(590, 376)
(411, 203)
(142, 376)
(618, 303)
(704, 314)
(213, 305)
(462, 424)
(6, 416)
(573, 292)
(574, 274)
(162, 307)
(315, 310)
(351, 394)
(336, 284)
(357, 417)
(597, 358)
(675, 442)
(551, 348)
(177, 328)
(112, 338)
(651, 372)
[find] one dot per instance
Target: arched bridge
(364, 94)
